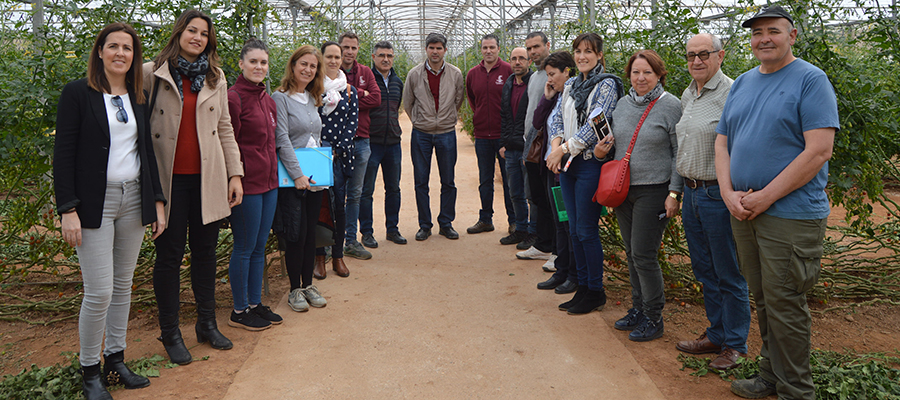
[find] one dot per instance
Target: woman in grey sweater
(299, 125)
(655, 185)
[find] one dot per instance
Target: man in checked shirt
(707, 221)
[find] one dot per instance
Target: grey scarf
(649, 96)
(195, 71)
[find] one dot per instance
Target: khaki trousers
(781, 258)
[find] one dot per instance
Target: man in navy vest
(384, 140)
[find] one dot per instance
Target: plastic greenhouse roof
(406, 22)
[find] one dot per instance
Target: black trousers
(185, 211)
(300, 256)
(565, 256)
(538, 196)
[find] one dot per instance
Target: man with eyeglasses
(384, 140)
(513, 107)
(776, 135)
(707, 222)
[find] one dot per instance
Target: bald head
(518, 60)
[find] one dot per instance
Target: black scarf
(195, 71)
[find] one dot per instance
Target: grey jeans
(108, 256)
(642, 230)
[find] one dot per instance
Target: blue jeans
(422, 146)
(515, 181)
(339, 209)
(388, 157)
(355, 185)
(486, 151)
(578, 186)
(707, 228)
(250, 225)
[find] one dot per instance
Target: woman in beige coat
(199, 169)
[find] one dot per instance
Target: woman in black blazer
(107, 190)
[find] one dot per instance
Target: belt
(693, 184)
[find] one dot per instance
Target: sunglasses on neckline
(121, 115)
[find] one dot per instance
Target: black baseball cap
(768, 12)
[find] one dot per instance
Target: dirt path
(434, 319)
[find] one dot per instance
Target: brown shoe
(319, 271)
(727, 359)
(700, 346)
(337, 264)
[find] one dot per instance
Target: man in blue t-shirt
(776, 135)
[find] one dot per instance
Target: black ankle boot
(92, 385)
(579, 294)
(592, 300)
(206, 327)
(115, 372)
(175, 348)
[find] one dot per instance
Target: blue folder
(315, 162)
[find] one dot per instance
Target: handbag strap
(627, 157)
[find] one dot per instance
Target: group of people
(167, 144)
(748, 157)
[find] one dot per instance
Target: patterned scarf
(195, 71)
(649, 96)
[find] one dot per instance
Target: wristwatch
(675, 196)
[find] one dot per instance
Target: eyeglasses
(121, 115)
(704, 55)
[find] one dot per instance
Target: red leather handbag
(615, 175)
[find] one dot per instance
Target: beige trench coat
(220, 157)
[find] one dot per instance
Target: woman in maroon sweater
(253, 117)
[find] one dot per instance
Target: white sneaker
(533, 254)
(297, 301)
(550, 265)
(313, 297)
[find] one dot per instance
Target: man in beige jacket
(432, 96)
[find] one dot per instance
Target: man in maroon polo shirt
(362, 78)
(484, 86)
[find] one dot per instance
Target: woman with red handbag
(646, 117)
(571, 138)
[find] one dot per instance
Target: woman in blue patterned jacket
(572, 139)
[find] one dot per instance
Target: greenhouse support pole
(293, 25)
(371, 29)
(37, 22)
(592, 13)
(465, 53)
(475, 19)
(552, 24)
(422, 27)
(503, 24)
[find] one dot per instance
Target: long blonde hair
(315, 87)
